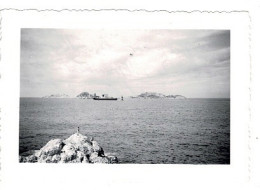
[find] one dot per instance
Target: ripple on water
(192, 131)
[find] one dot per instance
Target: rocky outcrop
(75, 149)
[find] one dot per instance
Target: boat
(104, 97)
(98, 98)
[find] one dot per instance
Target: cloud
(195, 63)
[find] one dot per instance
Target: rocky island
(154, 95)
(84, 95)
(176, 96)
(57, 96)
(75, 149)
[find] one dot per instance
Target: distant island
(145, 95)
(57, 96)
(85, 95)
(154, 95)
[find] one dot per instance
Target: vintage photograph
(124, 96)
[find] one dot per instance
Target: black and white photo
(123, 96)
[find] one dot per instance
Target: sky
(192, 63)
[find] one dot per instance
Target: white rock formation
(75, 149)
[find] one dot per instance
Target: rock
(56, 158)
(75, 149)
(45, 159)
(86, 148)
(85, 160)
(97, 148)
(77, 140)
(68, 148)
(42, 158)
(29, 159)
(68, 156)
(100, 160)
(37, 153)
(21, 159)
(93, 156)
(80, 156)
(112, 159)
(73, 161)
(32, 159)
(52, 147)
(48, 159)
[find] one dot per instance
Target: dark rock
(97, 148)
(112, 159)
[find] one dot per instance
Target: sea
(137, 131)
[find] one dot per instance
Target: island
(57, 96)
(155, 95)
(75, 149)
(176, 96)
(85, 95)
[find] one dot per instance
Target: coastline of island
(145, 95)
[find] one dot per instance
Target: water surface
(191, 131)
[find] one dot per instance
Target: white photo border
(16, 175)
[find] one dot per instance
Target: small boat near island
(104, 97)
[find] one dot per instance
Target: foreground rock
(75, 149)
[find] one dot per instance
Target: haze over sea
(189, 131)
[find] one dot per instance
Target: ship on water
(103, 97)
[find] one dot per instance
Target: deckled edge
(128, 10)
